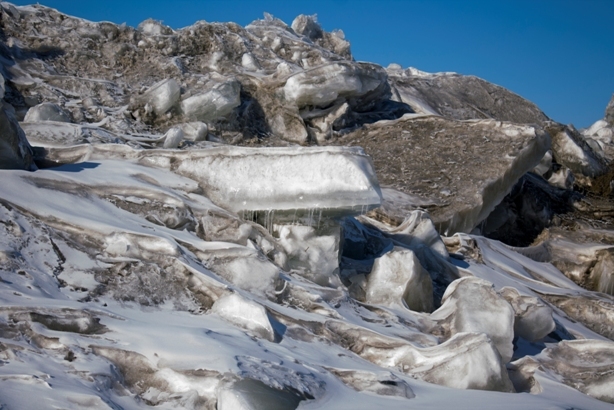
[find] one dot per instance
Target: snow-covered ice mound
(117, 291)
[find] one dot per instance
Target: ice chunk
(417, 230)
(602, 275)
(545, 165)
(249, 62)
(15, 151)
(162, 96)
(46, 112)
(315, 255)
(471, 304)
(152, 27)
(596, 128)
(246, 270)
(398, 278)
(586, 365)
(173, 137)
(533, 319)
(323, 85)
(213, 104)
(466, 361)
(289, 126)
(327, 178)
(571, 150)
(245, 314)
(307, 26)
(195, 131)
(328, 120)
(383, 383)
(335, 180)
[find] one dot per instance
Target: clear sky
(558, 54)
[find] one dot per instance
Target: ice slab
(460, 169)
(462, 97)
(283, 178)
(328, 179)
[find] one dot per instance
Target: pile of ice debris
(205, 227)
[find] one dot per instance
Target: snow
(211, 346)
(175, 358)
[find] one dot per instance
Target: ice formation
(472, 305)
(398, 279)
(163, 96)
(176, 249)
(218, 102)
(46, 112)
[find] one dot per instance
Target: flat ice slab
(242, 179)
(328, 179)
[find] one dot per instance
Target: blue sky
(558, 54)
